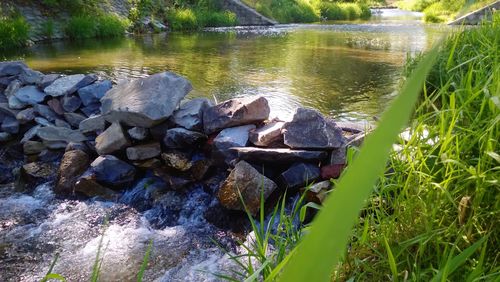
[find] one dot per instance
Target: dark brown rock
(73, 165)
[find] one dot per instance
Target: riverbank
(442, 11)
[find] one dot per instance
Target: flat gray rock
(190, 114)
(26, 115)
(93, 124)
(138, 133)
(16, 104)
(12, 68)
(143, 152)
(278, 155)
(234, 112)
(46, 112)
(231, 137)
(30, 95)
(267, 135)
(111, 140)
(310, 130)
(74, 119)
(53, 133)
(10, 125)
(69, 84)
(147, 101)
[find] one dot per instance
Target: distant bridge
(477, 16)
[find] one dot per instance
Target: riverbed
(346, 70)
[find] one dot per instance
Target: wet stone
(33, 147)
(110, 170)
(299, 175)
(247, 181)
(182, 138)
(30, 134)
(177, 160)
(73, 164)
(34, 174)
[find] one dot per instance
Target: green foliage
(47, 28)
(111, 26)
(437, 11)
(345, 11)
(80, 27)
(73, 6)
(87, 26)
(189, 19)
(14, 32)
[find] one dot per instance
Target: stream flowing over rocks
(83, 161)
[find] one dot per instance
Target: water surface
(347, 70)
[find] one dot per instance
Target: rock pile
(96, 139)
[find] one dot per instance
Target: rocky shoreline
(96, 139)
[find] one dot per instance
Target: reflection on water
(346, 70)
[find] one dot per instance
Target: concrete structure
(477, 16)
(245, 14)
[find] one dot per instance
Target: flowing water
(347, 70)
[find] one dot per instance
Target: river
(346, 70)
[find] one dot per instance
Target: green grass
(437, 11)
(434, 214)
(90, 26)
(14, 32)
(195, 19)
(345, 11)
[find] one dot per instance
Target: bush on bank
(14, 32)
(194, 19)
(303, 11)
(89, 26)
(436, 11)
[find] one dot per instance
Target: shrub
(47, 28)
(182, 19)
(215, 19)
(14, 32)
(86, 26)
(345, 11)
(111, 26)
(80, 27)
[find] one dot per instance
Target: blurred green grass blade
(145, 261)
(457, 261)
(392, 261)
(54, 276)
(322, 247)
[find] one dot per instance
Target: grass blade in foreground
(321, 249)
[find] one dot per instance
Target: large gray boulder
(299, 175)
(30, 95)
(235, 112)
(281, 155)
(310, 130)
(147, 101)
(190, 114)
(111, 140)
(247, 181)
(69, 84)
